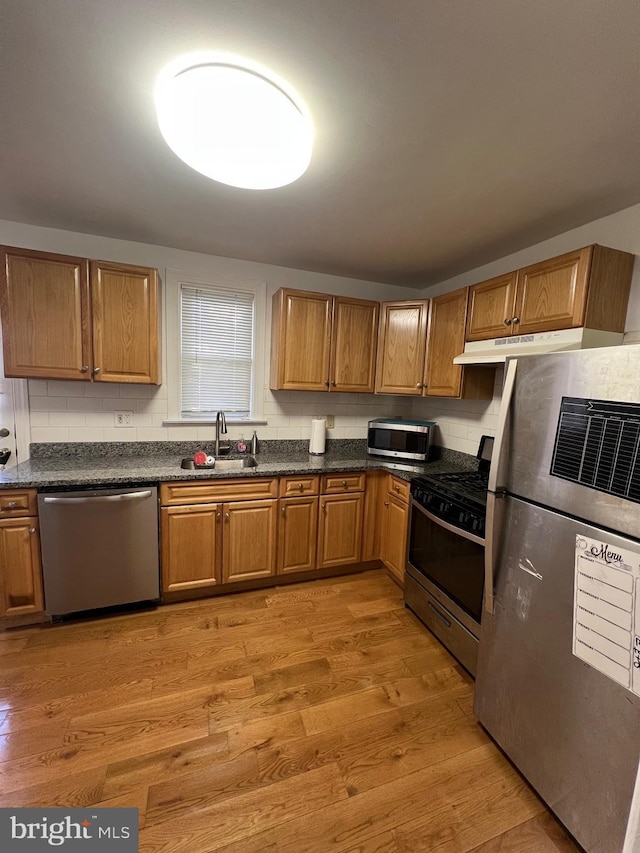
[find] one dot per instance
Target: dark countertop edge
(167, 471)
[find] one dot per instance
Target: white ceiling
(449, 132)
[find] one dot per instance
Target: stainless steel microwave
(400, 439)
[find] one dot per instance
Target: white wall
(460, 422)
(83, 411)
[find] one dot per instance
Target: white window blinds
(217, 333)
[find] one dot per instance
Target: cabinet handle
(12, 504)
(516, 320)
(96, 370)
(84, 368)
(507, 321)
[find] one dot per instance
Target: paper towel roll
(318, 436)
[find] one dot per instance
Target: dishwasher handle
(126, 496)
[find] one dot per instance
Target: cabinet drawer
(14, 503)
(333, 484)
(399, 488)
(210, 491)
(292, 486)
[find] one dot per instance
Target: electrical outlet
(331, 421)
(123, 419)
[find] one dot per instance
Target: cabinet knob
(516, 320)
(32, 530)
(397, 488)
(333, 382)
(284, 510)
(12, 504)
(324, 507)
(84, 368)
(300, 487)
(507, 321)
(218, 515)
(227, 516)
(326, 382)
(96, 370)
(344, 484)
(386, 503)
(418, 384)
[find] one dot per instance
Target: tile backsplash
(76, 411)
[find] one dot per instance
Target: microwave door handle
(497, 473)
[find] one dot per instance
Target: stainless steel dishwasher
(99, 548)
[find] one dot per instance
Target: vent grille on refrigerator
(598, 446)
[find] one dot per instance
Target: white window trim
(173, 280)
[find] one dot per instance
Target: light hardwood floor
(315, 717)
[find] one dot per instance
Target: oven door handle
(450, 527)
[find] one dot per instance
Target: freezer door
(582, 458)
(572, 731)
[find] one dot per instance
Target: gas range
(458, 498)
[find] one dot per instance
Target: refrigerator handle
(497, 477)
(490, 550)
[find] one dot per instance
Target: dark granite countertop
(88, 465)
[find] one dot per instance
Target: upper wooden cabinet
(417, 343)
(70, 318)
(588, 287)
(322, 343)
(402, 342)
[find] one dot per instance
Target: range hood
(497, 350)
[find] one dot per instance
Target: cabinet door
(445, 340)
(402, 343)
(20, 568)
(300, 341)
(491, 308)
(354, 340)
(394, 536)
(297, 534)
(552, 294)
(340, 529)
(191, 552)
(44, 303)
(249, 540)
(124, 304)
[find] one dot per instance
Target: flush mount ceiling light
(233, 121)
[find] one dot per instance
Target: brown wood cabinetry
(394, 527)
(416, 347)
(322, 343)
(402, 343)
(20, 565)
(70, 318)
(207, 538)
(340, 523)
(297, 534)
(588, 287)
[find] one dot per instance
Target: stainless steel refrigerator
(558, 681)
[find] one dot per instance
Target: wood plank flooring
(316, 717)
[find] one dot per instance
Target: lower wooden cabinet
(20, 567)
(191, 539)
(394, 527)
(297, 534)
(340, 529)
(249, 540)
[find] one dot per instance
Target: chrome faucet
(221, 427)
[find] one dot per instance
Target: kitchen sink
(222, 464)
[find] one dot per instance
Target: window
(215, 334)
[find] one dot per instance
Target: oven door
(449, 564)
